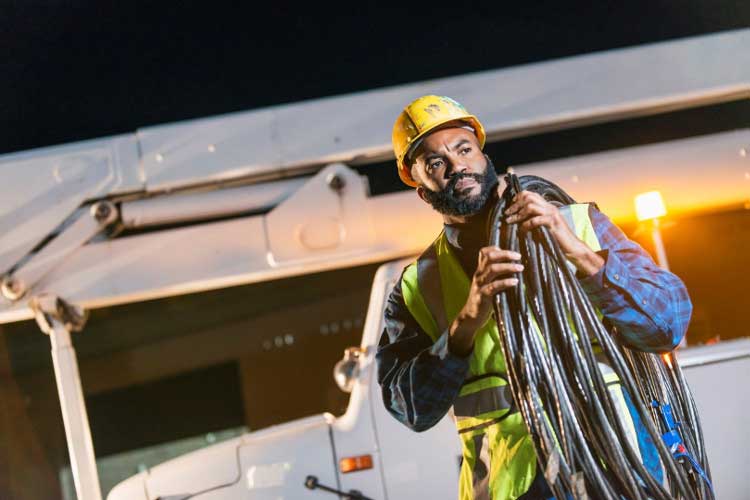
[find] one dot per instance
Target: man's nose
(455, 166)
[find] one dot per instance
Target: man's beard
(449, 202)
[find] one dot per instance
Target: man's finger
(492, 272)
(524, 198)
(517, 202)
(529, 210)
(540, 220)
(498, 286)
(489, 249)
(506, 267)
(499, 255)
(514, 207)
(532, 196)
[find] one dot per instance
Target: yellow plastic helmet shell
(418, 119)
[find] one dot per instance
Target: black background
(79, 70)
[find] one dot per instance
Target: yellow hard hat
(418, 119)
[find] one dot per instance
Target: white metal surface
(75, 418)
(322, 221)
(727, 350)
(66, 242)
(510, 102)
(718, 376)
(212, 467)
(276, 462)
(41, 188)
(183, 207)
(72, 403)
(266, 465)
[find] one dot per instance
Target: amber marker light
(353, 464)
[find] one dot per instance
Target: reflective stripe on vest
(484, 400)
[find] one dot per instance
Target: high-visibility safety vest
(499, 461)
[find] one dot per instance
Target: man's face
(454, 175)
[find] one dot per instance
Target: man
(440, 346)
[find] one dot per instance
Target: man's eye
(465, 150)
(434, 165)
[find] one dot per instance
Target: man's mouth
(465, 183)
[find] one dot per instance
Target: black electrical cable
(556, 348)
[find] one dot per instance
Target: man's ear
(420, 188)
(420, 193)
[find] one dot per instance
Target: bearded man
(441, 347)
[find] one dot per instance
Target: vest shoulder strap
(428, 279)
(422, 291)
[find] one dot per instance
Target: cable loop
(554, 373)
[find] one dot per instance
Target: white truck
(272, 193)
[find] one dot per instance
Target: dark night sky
(72, 72)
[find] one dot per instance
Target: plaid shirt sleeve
(649, 306)
(419, 378)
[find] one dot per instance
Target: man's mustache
(451, 186)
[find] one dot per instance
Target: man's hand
(495, 273)
(532, 210)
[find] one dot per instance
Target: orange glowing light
(650, 206)
(352, 464)
(667, 359)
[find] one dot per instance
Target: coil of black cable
(555, 347)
